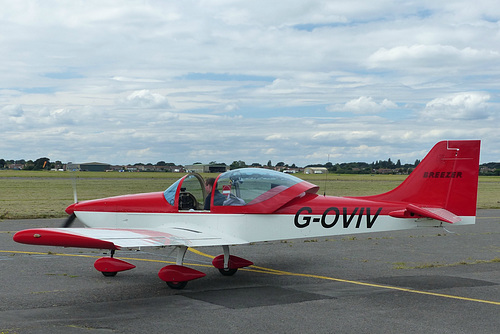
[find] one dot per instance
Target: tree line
(341, 168)
(379, 166)
(38, 164)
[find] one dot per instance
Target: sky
(299, 82)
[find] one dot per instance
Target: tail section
(444, 184)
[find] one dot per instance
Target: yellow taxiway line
(271, 271)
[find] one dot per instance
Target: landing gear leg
(181, 252)
(110, 273)
(228, 264)
(226, 271)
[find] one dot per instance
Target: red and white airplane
(261, 205)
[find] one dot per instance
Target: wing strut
(181, 252)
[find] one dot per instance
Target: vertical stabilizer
(447, 178)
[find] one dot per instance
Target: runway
(418, 281)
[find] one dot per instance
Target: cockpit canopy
(246, 190)
(254, 185)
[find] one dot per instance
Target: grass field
(43, 194)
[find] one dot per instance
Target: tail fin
(447, 178)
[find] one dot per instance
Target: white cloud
(363, 105)
(462, 106)
(228, 108)
(145, 99)
(139, 154)
(14, 110)
(141, 80)
(431, 55)
(277, 137)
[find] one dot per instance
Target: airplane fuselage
(318, 216)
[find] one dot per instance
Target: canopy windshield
(254, 185)
(247, 190)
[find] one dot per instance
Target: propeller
(69, 221)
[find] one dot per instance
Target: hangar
(315, 170)
(94, 167)
(207, 168)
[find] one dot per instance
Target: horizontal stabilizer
(413, 211)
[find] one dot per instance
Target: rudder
(446, 178)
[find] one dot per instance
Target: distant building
(155, 168)
(385, 171)
(94, 167)
(71, 167)
(292, 170)
(207, 168)
(486, 170)
(15, 166)
(315, 170)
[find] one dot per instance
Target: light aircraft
(262, 205)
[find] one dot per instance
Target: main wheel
(177, 285)
(109, 273)
(228, 272)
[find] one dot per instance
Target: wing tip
(53, 237)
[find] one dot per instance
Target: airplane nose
(146, 202)
(70, 209)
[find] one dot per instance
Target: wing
(101, 238)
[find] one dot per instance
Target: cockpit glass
(249, 186)
(170, 192)
(191, 193)
(194, 186)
